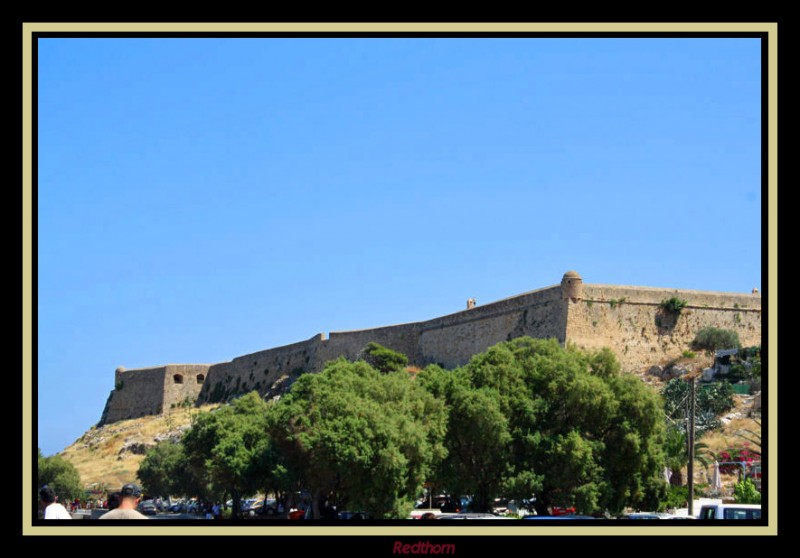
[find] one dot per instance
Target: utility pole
(690, 468)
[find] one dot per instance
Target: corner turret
(572, 286)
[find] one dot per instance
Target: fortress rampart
(148, 391)
(627, 319)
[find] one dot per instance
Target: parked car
(649, 515)
(730, 511)
(557, 517)
(471, 516)
(250, 507)
(443, 503)
(502, 506)
(147, 507)
(419, 512)
(247, 507)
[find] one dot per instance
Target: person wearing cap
(52, 509)
(129, 499)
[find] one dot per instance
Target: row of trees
(527, 417)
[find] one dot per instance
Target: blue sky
(200, 199)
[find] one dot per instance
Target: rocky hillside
(109, 456)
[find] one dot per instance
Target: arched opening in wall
(200, 378)
(178, 378)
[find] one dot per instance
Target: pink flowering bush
(739, 454)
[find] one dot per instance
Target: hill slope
(109, 456)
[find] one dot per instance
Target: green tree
(580, 433)
(716, 398)
(384, 359)
(161, 469)
(365, 438)
(223, 449)
(478, 439)
(713, 338)
(60, 475)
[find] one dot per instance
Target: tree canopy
(160, 470)
(528, 417)
(60, 475)
(354, 432)
(224, 449)
(384, 359)
(524, 419)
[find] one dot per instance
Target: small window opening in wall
(200, 378)
(178, 378)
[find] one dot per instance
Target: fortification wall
(182, 383)
(350, 344)
(452, 340)
(631, 322)
(136, 393)
(149, 391)
(259, 371)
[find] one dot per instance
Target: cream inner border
(412, 532)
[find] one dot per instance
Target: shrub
(677, 497)
(614, 302)
(711, 401)
(744, 492)
(384, 359)
(674, 304)
(713, 338)
(737, 454)
(688, 354)
(716, 397)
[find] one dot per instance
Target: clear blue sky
(202, 199)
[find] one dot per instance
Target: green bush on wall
(674, 304)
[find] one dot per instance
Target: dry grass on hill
(110, 455)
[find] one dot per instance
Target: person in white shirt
(52, 509)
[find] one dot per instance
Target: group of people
(121, 505)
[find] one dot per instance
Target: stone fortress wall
(149, 391)
(629, 320)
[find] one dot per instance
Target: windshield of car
(742, 513)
